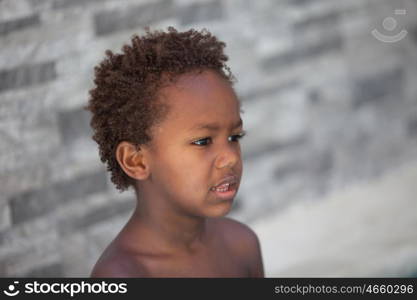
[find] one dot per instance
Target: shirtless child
(167, 123)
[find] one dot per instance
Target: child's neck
(161, 228)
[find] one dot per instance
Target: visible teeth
(222, 188)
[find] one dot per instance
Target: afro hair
(124, 103)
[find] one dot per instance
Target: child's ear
(132, 160)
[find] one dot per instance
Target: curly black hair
(124, 102)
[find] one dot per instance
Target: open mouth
(224, 187)
(225, 192)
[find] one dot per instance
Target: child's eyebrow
(214, 126)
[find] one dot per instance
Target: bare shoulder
(237, 232)
(115, 262)
(244, 242)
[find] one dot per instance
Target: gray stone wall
(326, 103)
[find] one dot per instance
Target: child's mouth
(225, 191)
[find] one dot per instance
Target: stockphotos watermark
(391, 34)
(71, 289)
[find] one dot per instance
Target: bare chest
(214, 264)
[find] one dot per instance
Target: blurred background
(330, 159)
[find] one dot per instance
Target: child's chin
(219, 210)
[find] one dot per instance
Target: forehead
(198, 98)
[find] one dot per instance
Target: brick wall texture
(326, 104)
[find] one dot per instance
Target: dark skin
(178, 228)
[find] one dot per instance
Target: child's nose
(228, 157)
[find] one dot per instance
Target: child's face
(187, 161)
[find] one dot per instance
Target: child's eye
(237, 137)
(202, 142)
(206, 141)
